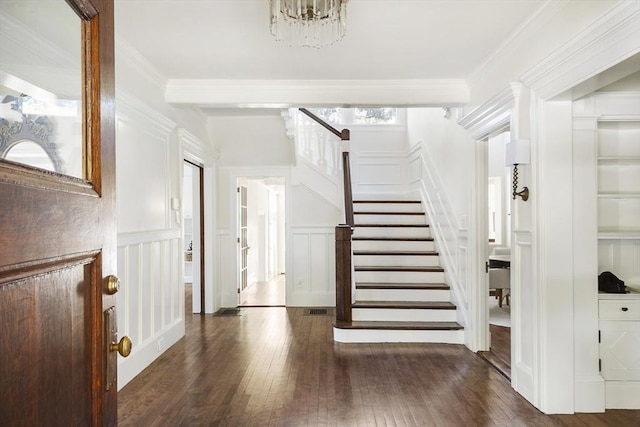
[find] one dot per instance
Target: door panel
(243, 243)
(57, 243)
(43, 321)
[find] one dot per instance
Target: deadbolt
(111, 285)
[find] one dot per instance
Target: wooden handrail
(344, 134)
(348, 195)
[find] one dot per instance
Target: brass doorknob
(123, 347)
(111, 284)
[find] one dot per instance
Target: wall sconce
(518, 153)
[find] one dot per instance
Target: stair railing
(344, 254)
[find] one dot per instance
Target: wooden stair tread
(386, 201)
(428, 269)
(392, 225)
(387, 213)
(433, 305)
(411, 253)
(408, 326)
(395, 239)
(418, 286)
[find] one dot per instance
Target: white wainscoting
(379, 174)
(312, 280)
(452, 241)
(150, 302)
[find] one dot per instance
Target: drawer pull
(625, 309)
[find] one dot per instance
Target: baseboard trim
(589, 394)
(622, 394)
(144, 354)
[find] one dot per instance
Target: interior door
(243, 242)
(57, 228)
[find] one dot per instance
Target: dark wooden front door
(57, 246)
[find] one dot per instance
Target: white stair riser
(382, 335)
(387, 207)
(392, 245)
(404, 260)
(389, 219)
(402, 315)
(400, 276)
(395, 232)
(403, 295)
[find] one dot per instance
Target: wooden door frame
(201, 229)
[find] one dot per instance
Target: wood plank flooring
(279, 367)
(261, 294)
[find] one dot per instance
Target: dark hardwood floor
(278, 366)
(500, 353)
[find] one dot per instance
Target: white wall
(553, 26)
(440, 167)
(149, 159)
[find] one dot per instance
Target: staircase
(401, 294)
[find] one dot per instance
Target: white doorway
(261, 241)
(193, 232)
(498, 249)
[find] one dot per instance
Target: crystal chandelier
(311, 23)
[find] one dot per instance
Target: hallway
(277, 366)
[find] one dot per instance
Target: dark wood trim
(392, 225)
(389, 213)
(396, 239)
(202, 248)
(394, 253)
(413, 286)
(428, 269)
(348, 195)
(343, 273)
(400, 326)
(406, 305)
(387, 201)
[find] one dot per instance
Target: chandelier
(309, 23)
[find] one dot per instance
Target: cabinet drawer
(619, 309)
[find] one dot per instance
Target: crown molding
(511, 45)
(611, 39)
(309, 93)
(196, 150)
(125, 52)
(491, 116)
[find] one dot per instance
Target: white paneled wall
(150, 302)
(452, 240)
(379, 173)
(151, 298)
(313, 274)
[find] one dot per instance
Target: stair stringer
(444, 228)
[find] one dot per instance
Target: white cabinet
(618, 193)
(620, 349)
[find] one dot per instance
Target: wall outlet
(160, 345)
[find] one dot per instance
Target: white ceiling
(386, 39)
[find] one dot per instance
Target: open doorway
(498, 252)
(261, 242)
(193, 232)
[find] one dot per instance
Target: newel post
(343, 273)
